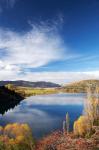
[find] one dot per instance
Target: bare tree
(91, 107)
(67, 122)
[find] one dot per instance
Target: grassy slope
(27, 91)
(80, 86)
(77, 87)
(84, 83)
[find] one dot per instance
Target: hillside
(80, 86)
(39, 84)
(84, 83)
(29, 91)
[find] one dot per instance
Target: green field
(77, 87)
(27, 91)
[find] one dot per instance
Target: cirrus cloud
(32, 49)
(21, 52)
(35, 48)
(60, 77)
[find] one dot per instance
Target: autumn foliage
(81, 126)
(85, 123)
(16, 137)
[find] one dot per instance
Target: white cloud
(60, 77)
(32, 49)
(57, 77)
(37, 47)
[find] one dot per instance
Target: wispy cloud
(41, 45)
(32, 49)
(37, 47)
(57, 77)
(60, 77)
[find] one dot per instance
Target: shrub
(16, 137)
(81, 126)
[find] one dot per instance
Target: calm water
(45, 113)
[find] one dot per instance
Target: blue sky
(51, 40)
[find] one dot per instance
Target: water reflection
(57, 99)
(5, 106)
(45, 113)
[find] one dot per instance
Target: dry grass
(58, 141)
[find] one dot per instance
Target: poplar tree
(67, 122)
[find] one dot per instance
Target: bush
(81, 126)
(16, 137)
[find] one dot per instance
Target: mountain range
(39, 84)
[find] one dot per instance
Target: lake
(45, 113)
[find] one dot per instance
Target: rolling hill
(84, 83)
(80, 86)
(39, 84)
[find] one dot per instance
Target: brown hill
(79, 87)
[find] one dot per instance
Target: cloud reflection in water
(45, 113)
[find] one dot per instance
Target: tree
(64, 127)
(81, 126)
(17, 135)
(10, 86)
(67, 122)
(91, 108)
(84, 125)
(1, 130)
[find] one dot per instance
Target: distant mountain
(39, 84)
(80, 86)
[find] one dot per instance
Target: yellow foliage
(76, 128)
(85, 123)
(10, 86)
(1, 130)
(82, 126)
(19, 139)
(11, 141)
(16, 134)
(14, 130)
